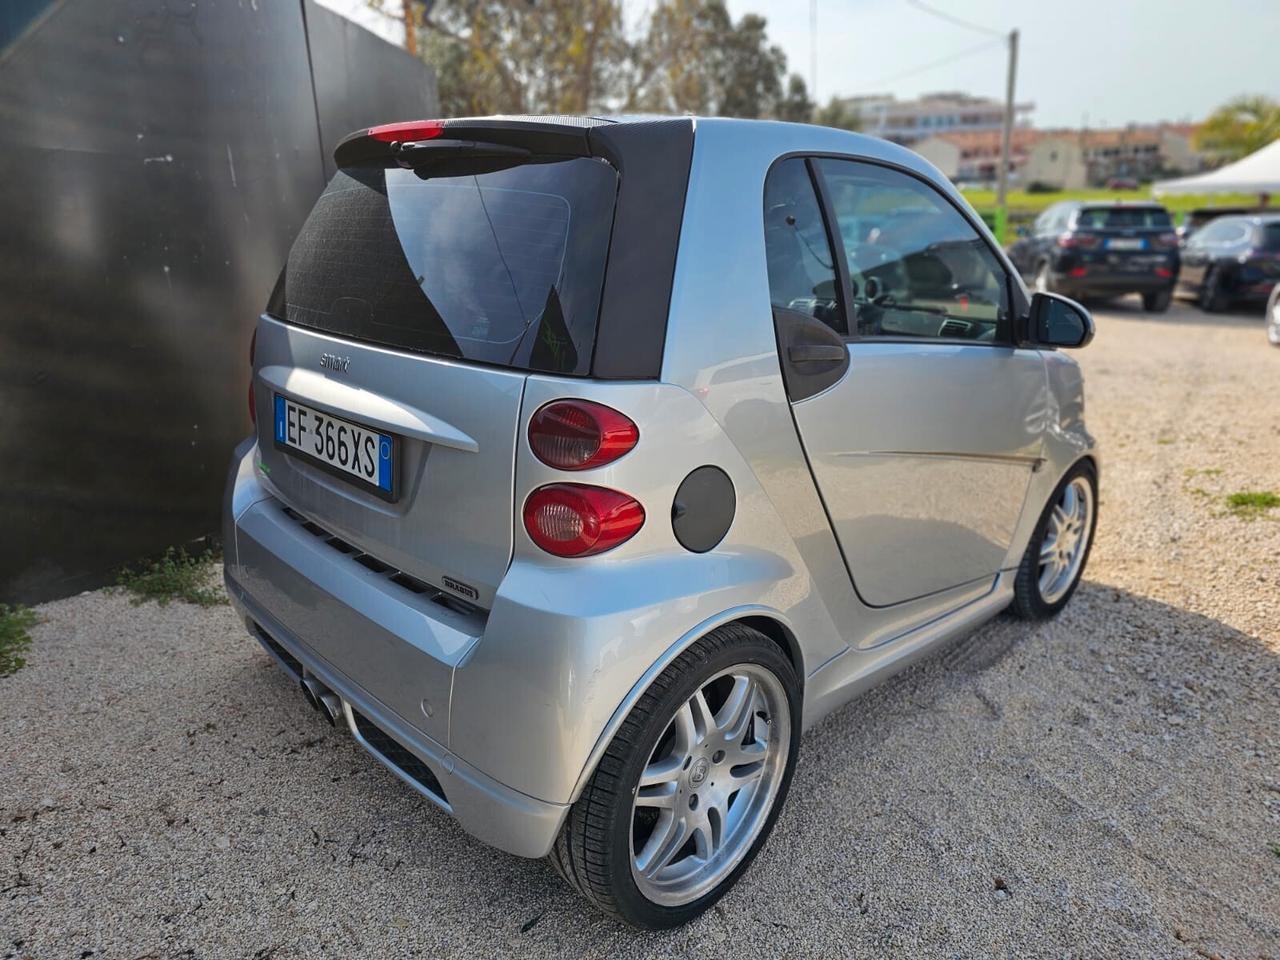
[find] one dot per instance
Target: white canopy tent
(1258, 173)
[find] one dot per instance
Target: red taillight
(577, 434)
(1084, 241)
(1164, 272)
(1079, 271)
(407, 132)
(253, 402)
(575, 520)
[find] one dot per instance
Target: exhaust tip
(311, 690)
(331, 706)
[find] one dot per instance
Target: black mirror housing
(1058, 321)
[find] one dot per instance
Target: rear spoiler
(486, 136)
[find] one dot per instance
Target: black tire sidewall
(755, 648)
(1029, 602)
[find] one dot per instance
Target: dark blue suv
(1084, 249)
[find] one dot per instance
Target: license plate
(340, 446)
(1126, 243)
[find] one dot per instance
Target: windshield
(503, 267)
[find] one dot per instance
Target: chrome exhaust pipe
(322, 698)
(311, 690)
(331, 707)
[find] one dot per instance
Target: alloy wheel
(1066, 540)
(706, 791)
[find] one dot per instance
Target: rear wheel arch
(762, 620)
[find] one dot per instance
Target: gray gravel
(1103, 785)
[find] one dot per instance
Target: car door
(921, 422)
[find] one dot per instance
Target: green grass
(1021, 202)
(175, 576)
(1202, 472)
(14, 639)
(1274, 848)
(1252, 503)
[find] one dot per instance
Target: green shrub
(14, 639)
(175, 576)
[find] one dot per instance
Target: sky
(1081, 62)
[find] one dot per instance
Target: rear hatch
(420, 291)
(1126, 239)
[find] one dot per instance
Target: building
(973, 156)
(909, 121)
(1075, 160)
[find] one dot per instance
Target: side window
(802, 275)
(916, 266)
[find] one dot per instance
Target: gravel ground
(1106, 784)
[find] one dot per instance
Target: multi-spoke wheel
(691, 784)
(1056, 556)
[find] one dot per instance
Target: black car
(1195, 219)
(1083, 249)
(1233, 259)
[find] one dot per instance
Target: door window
(917, 268)
(802, 275)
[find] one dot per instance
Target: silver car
(596, 459)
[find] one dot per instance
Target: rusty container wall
(156, 160)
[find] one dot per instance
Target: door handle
(817, 353)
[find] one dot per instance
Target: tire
(1042, 281)
(596, 851)
(1213, 298)
(1036, 595)
(1157, 302)
(1273, 316)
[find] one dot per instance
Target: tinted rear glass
(1121, 218)
(503, 267)
(1270, 239)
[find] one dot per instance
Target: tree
(838, 113)
(559, 56)
(1240, 127)
(518, 56)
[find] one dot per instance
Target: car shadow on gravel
(1096, 783)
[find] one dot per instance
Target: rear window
(1121, 218)
(1270, 240)
(502, 267)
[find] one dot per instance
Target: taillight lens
(407, 132)
(576, 520)
(577, 434)
(253, 402)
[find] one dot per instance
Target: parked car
(1193, 220)
(1090, 248)
(1273, 316)
(1123, 183)
(593, 461)
(1232, 260)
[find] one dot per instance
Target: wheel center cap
(698, 772)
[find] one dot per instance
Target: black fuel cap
(703, 509)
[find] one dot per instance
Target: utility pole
(1006, 135)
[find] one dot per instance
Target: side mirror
(1056, 321)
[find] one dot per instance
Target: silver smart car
(595, 459)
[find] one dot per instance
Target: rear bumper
(489, 810)
(389, 658)
(1111, 284)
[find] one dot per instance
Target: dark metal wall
(156, 160)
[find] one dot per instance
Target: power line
(937, 63)
(954, 20)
